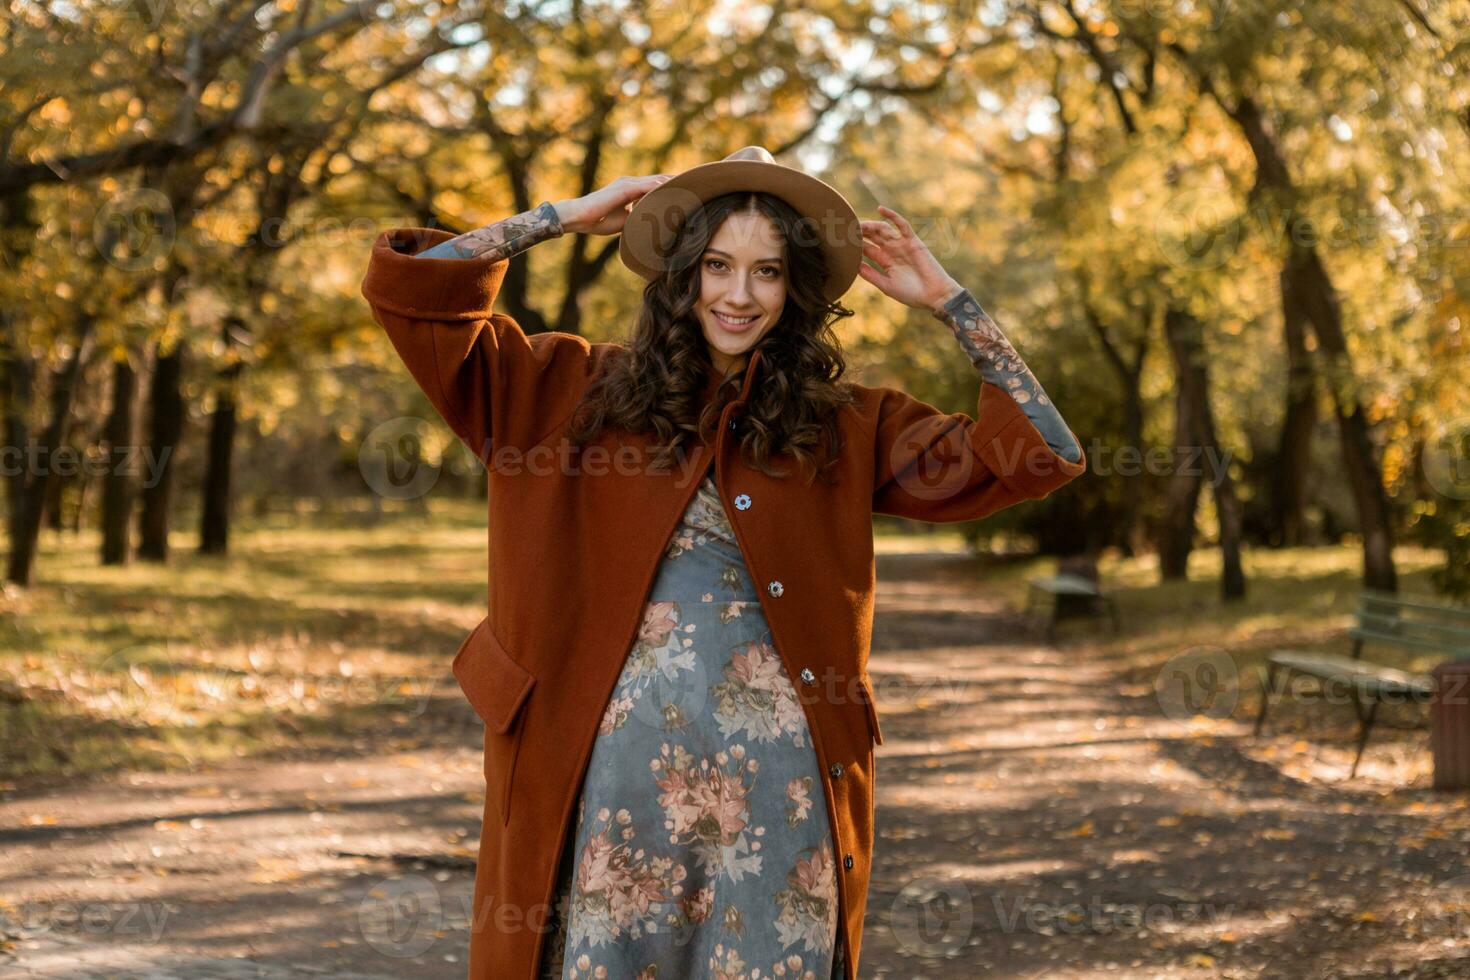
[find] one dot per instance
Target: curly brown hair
(656, 384)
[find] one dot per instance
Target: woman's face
(742, 275)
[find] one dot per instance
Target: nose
(740, 296)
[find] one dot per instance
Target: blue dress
(701, 845)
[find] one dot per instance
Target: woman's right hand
(603, 212)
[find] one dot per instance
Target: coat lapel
(713, 378)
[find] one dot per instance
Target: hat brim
(657, 215)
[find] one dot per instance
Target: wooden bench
(1385, 619)
(1074, 592)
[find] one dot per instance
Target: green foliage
(1444, 523)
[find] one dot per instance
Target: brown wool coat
(574, 543)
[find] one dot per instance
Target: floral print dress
(702, 846)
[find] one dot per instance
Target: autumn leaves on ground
(262, 767)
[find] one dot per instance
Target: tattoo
(999, 363)
(502, 239)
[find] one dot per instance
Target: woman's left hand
(908, 271)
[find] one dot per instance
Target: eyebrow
(729, 256)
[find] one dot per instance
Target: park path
(1039, 816)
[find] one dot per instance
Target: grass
(1301, 598)
(314, 632)
(1201, 660)
(306, 634)
(1298, 597)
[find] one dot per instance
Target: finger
(873, 276)
(631, 195)
(898, 219)
(642, 185)
(876, 255)
(880, 231)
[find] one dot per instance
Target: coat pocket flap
(495, 685)
(866, 690)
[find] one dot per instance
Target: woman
(694, 793)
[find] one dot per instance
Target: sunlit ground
(317, 627)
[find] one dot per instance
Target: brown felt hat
(656, 216)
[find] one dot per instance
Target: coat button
(836, 770)
(775, 589)
(847, 862)
(742, 502)
(807, 676)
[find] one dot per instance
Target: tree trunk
(165, 428)
(1132, 536)
(1308, 284)
(1307, 291)
(26, 533)
(1227, 506)
(279, 187)
(1293, 456)
(117, 482)
(1181, 496)
(52, 509)
(79, 514)
(214, 523)
(1185, 334)
(17, 366)
(20, 389)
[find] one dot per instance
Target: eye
(775, 272)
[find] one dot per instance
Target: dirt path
(1039, 816)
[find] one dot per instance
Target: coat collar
(752, 368)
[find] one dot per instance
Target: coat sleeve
(492, 384)
(940, 467)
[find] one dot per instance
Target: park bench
(1074, 592)
(1383, 619)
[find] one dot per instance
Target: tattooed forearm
(502, 239)
(1000, 364)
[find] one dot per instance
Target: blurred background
(1228, 237)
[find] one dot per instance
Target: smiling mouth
(735, 322)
